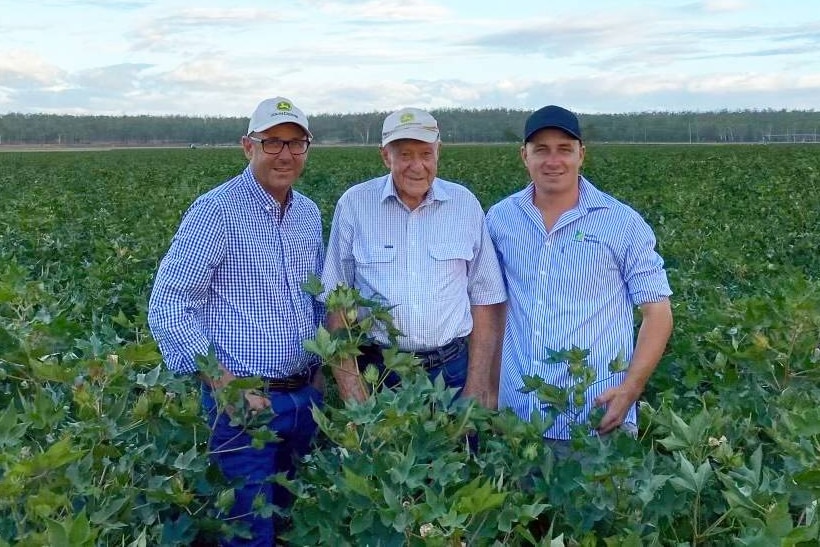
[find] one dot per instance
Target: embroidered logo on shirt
(581, 237)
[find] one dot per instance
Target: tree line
(458, 125)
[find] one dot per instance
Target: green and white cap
(410, 123)
(272, 112)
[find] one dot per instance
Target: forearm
(484, 353)
(346, 372)
(656, 327)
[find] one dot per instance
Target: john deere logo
(406, 118)
(283, 105)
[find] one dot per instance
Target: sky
(220, 58)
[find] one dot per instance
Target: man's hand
(256, 401)
(656, 326)
(616, 401)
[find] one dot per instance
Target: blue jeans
(251, 468)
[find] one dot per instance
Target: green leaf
(778, 520)
(809, 479)
(150, 379)
(80, 532)
(802, 534)
(313, 285)
(57, 534)
(11, 430)
(109, 509)
(647, 490)
(357, 483)
(183, 461)
(361, 522)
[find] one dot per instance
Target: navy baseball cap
(552, 116)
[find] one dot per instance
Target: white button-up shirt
(431, 263)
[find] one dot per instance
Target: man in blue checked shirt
(231, 281)
(576, 262)
(420, 244)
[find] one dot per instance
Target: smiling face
(413, 165)
(277, 173)
(553, 159)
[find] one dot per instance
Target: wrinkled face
(553, 159)
(413, 165)
(276, 172)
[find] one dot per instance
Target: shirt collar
(437, 191)
(589, 197)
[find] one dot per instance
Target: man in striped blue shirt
(420, 244)
(576, 262)
(231, 281)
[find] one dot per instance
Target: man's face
(413, 165)
(276, 172)
(553, 159)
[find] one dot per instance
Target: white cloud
(19, 66)
(722, 6)
(216, 58)
(384, 10)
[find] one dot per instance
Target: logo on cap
(284, 105)
(406, 117)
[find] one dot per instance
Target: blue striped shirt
(431, 263)
(232, 279)
(576, 285)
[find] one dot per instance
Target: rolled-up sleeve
(485, 282)
(644, 272)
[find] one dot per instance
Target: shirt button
(537, 334)
(543, 272)
(540, 302)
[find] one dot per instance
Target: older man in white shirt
(420, 244)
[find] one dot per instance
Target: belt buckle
(437, 357)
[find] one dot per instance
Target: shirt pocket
(449, 269)
(441, 252)
(373, 255)
(376, 274)
(588, 270)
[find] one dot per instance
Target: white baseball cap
(271, 112)
(410, 123)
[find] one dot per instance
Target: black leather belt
(372, 354)
(438, 356)
(293, 382)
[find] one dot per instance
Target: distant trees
(457, 125)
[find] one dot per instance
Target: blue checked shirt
(576, 285)
(431, 263)
(232, 279)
